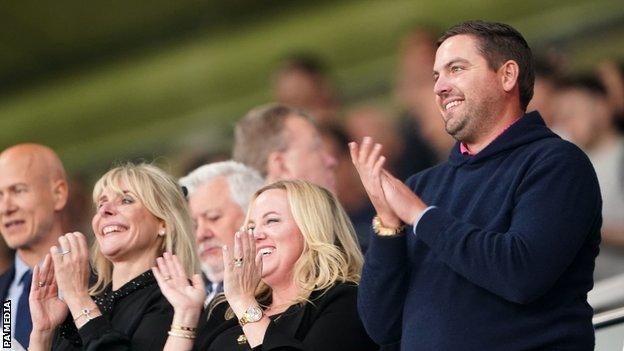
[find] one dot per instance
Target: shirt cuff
(421, 216)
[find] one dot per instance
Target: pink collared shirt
(463, 148)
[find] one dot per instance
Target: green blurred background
(106, 81)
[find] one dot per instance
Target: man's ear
(276, 166)
(510, 71)
(60, 193)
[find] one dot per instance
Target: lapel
(5, 281)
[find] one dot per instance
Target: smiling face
(124, 228)
(217, 217)
(28, 207)
(468, 91)
(277, 236)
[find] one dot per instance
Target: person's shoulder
(558, 150)
(6, 279)
(8, 273)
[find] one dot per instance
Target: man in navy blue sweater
(500, 248)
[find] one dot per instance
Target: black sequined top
(135, 317)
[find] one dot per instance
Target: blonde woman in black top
(141, 213)
(290, 280)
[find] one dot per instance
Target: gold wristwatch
(380, 230)
(253, 314)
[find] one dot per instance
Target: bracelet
(380, 230)
(182, 335)
(86, 312)
(183, 328)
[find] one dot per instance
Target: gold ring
(167, 277)
(238, 262)
(41, 284)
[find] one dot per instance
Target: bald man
(33, 194)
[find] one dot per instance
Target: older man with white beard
(218, 197)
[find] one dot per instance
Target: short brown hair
(499, 42)
(261, 132)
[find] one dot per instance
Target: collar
(463, 148)
(20, 268)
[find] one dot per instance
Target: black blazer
(5, 281)
(329, 322)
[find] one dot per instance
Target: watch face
(254, 313)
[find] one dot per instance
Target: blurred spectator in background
(302, 81)
(583, 112)
(195, 159)
(282, 142)
(545, 90)
(373, 121)
(33, 195)
(218, 197)
(78, 215)
(349, 189)
(612, 76)
(426, 141)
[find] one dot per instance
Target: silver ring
(238, 262)
(41, 284)
(167, 277)
(64, 252)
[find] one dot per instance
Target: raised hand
(404, 203)
(242, 271)
(46, 309)
(71, 265)
(186, 298)
(71, 269)
(369, 162)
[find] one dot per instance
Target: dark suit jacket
(5, 282)
(329, 322)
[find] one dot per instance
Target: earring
(161, 232)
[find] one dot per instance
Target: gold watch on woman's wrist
(252, 314)
(380, 230)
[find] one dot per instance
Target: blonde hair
(331, 252)
(161, 195)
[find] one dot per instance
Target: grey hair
(242, 181)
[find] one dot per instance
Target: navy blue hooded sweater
(506, 259)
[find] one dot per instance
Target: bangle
(85, 312)
(379, 229)
(183, 328)
(178, 334)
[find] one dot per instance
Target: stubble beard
(470, 124)
(456, 126)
